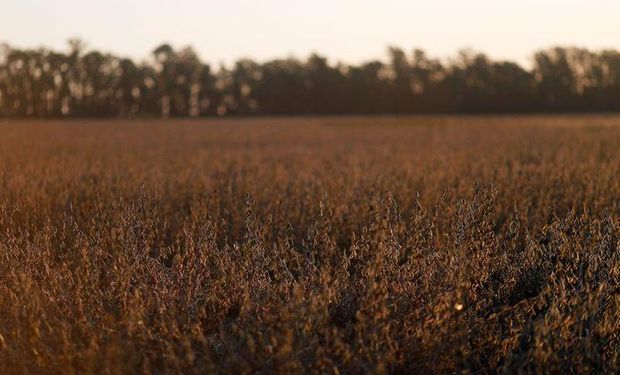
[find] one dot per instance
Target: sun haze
(346, 30)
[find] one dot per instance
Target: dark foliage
(176, 83)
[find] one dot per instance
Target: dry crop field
(316, 245)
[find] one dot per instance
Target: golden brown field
(342, 245)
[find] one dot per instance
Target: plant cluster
(350, 245)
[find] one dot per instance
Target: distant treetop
(81, 83)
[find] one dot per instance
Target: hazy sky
(345, 30)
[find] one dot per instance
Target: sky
(349, 31)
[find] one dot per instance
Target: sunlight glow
(347, 30)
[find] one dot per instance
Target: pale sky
(344, 30)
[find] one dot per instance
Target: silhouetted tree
(246, 77)
(79, 82)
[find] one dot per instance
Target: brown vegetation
(352, 245)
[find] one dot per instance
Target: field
(317, 245)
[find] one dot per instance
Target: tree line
(176, 83)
